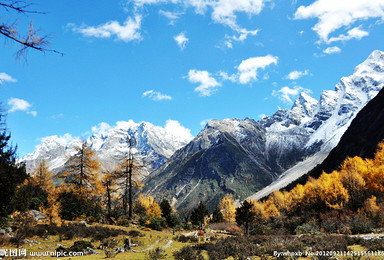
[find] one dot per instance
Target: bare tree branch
(32, 39)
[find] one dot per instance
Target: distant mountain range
(242, 157)
(155, 144)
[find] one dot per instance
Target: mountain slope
(361, 139)
(155, 144)
(242, 156)
(366, 81)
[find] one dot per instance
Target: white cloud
(243, 35)
(172, 16)
(156, 96)
(287, 94)
(355, 33)
(294, 75)
(4, 77)
(178, 130)
(33, 113)
(204, 122)
(60, 115)
(223, 11)
(262, 116)
(335, 14)
(18, 104)
(181, 40)
(247, 70)
(129, 31)
(225, 76)
(331, 50)
(101, 128)
(63, 139)
(208, 84)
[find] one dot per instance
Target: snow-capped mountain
(154, 143)
(243, 156)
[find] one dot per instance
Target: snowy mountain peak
(156, 143)
(374, 64)
(305, 104)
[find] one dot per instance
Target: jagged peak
(304, 98)
(373, 64)
(305, 104)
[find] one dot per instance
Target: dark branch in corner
(32, 39)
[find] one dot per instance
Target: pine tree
(12, 174)
(198, 214)
(166, 208)
(245, 215)
(217, 216)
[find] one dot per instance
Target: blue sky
(185, 60)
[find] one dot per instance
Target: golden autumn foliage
(42, 178)
(81, 173)
(355, 186)
(146, 206)
(371, 208)
(332, 191)
(228, 208)
(154, 210)
(258, 209)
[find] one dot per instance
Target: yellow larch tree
(332, 191)
(146, 206)
(81, 172)
(154, 210)
(371, 209)
(352, 171)
(43, 179)
(228, 208)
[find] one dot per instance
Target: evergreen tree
(12, 174)
(166, 208)
(245, 215)
(198, 215)
(217, 216)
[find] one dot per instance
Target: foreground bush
(71, 230)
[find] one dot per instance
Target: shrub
(234, 230)
(308, 228)
(358, 224)
(186, 239)
(188, 253)
(157, 253)
(219, 226)
(373, 244)
(110, 243)
(78, 246)
(73, 229)
(236, 247)
(81, 246)
(4, 222)
(135, 233)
